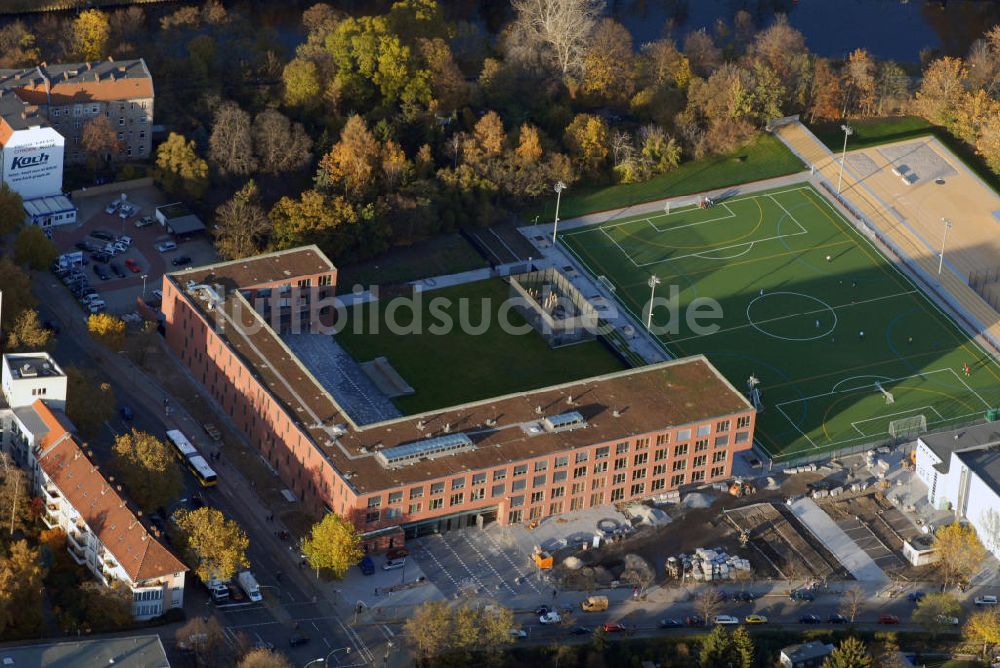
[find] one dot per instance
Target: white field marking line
(969, 337)
(620, 249)
(796, 426)
(486, 561)
(918, 409)
(877, 378)
(889, 380)
(795, 315)
(672, 228)
(444, 570)
(675, 258)
(461, 562)
(704, 256)
(962, 381)
(638, 218)
(788, 213)
(517, 569)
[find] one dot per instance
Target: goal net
(907, 427)
(606, 282)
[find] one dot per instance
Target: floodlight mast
(652, 283)
(944, 240)
(848, 131)
(559, 187)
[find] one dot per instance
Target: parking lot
(122, 254)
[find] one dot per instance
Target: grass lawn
(459, 366)
(764, 158)
(951, 663)
(872, 132)
(808, 307)
(445, 254)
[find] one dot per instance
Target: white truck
(249, 584)
(218, 589)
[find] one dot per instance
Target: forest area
(381, 130)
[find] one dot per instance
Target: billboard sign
(33, 162)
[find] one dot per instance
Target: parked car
(694, 620)
(103, 235)
(579, 631)
(297, 639)
(111, 208)
(126, 211)
(101, 272)
(802, 595)
(986, 600)
(886, 618)
(166, 246)
(367, 565)
(836, 619)
(755, 619)
(145, 221)
(124, 239)
(809, 619)
(181, 261)
(947, 620)
(393, 564)
(117, 270)
(725, 620)
(744, 596)
(133, 266)
(101, 256)
(551, 617)
(671, 623)
(518, 633)
(613, 627)
(97, 306)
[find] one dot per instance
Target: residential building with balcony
(619, 437)
(104, 533)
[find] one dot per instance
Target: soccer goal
(606, 283)
(908, 427)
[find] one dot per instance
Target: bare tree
(707, 603)
(281, 146)
(231, 144)
(560, 27)
(850, 606)
(241, 225)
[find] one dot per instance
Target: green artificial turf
(802, 338)
(763, 158)
(457, 366)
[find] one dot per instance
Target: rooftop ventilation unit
(410, 453)
(564, 421)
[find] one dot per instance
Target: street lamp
(144, 277)
(652, 283)
(560, 186)
(944, 240)
(848, 131)
(388, 648)
(345, 650)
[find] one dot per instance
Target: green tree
(609, 66)
(940, 90)
(90, 402)
(312, 218)
(33, 249)
(109, 608)
(983, 628)
(91, 32)
(351, 164)
(11, 209)
(148, 468)
(27, 334)
(180, 169)
(17, 46)
(429, 630)
(333, 544)
(935, 611)
(215, 547)
(587, 140)
(717, 648)
(302, 84)
(743, 648)
(850, 653)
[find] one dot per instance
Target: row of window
(373, 515)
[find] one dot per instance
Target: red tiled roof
(100, 506)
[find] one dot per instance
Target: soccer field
(843, 344)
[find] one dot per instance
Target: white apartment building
(961, 469)
(103, 532)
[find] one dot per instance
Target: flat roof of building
(260, 270)
(947, 442)
(32, 365)
(984, 461)
(503, 429)
(44, 206)
(128, 652)
(806, 651)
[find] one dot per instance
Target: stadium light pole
(848, 131)
(653, 282)
(560, 186)
(944, 240)
(144, 277)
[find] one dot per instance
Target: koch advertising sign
(33, 162)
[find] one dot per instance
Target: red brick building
(622, 436)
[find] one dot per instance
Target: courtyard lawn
(444, 254)
(456, 366)
(764, 158)
(847, 350)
